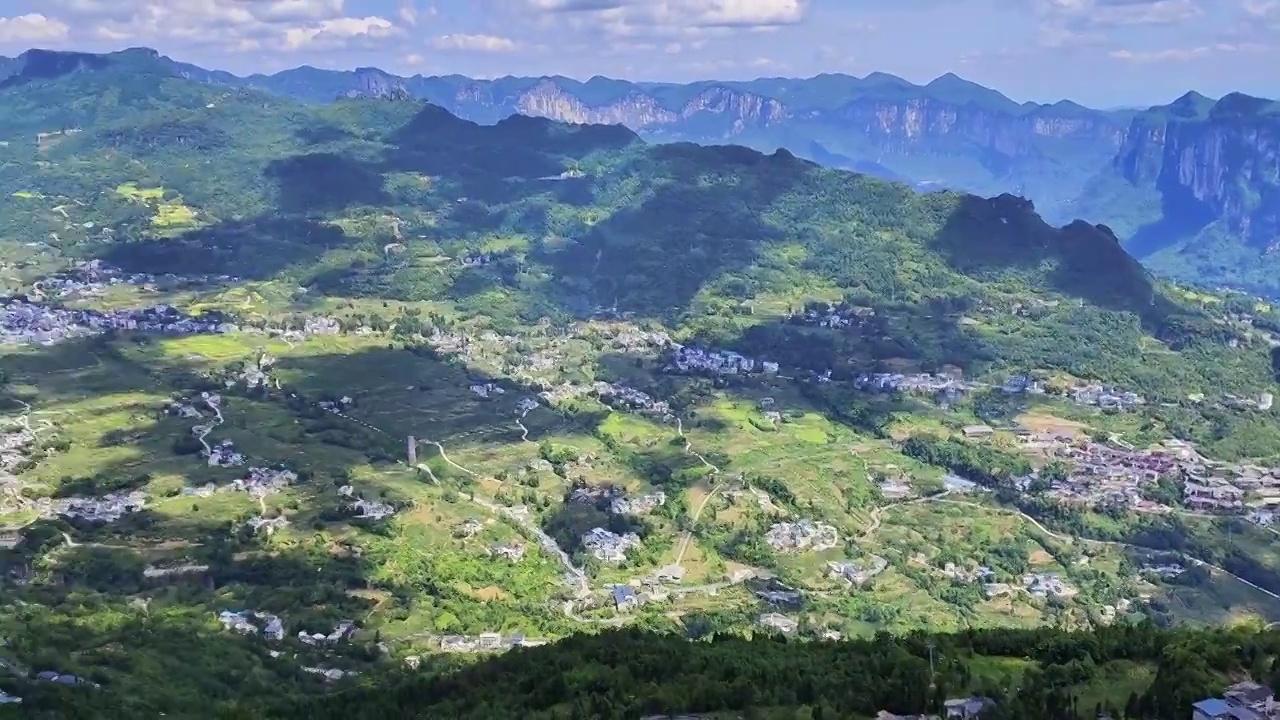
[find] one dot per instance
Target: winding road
(206, 429)
(697, 513)
(524, 431)
(878, 511)
(583, 583)
(546, 541)
(942, 498)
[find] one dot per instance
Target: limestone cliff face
(635, 110)
(902, 124)
(1220, 164)
(374, 83)
(735, 110)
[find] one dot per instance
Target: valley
(299, 398)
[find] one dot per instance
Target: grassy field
(421, 579)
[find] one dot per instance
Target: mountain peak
(883, 78)
(39, 64)
(947, 79)
(1238, 105)
(955, 89)
(1192, 105)
(378, 84)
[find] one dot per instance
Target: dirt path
(524, 431)
(697, 513)
(877, 513)
(206, 429)
(1115, 543)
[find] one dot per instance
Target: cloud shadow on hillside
(325, 182)
(687, 233)
(1182, 216)
(993, 238)
(256, 249)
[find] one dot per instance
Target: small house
(779, 622)
(1219, 709)
(625, 599)
(978, 431)
(1251, 695)
(966, 708)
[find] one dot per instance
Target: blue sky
(1103, 53)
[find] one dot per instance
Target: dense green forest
(1045, 673)
(633, 674)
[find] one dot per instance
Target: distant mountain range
(1191, 186)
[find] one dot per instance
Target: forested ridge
(632, 674)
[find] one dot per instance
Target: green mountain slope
(615, 675)
(948, 133)
(586, 216)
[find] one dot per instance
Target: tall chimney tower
(413, 452)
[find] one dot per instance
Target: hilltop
(1073, 161)
(299, 394)
(579, 217)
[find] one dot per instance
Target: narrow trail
(25, 420)
(524, 431)
(546, 541)
(697, 513)
(943, 498)
(345, 416)
(878, 512)
(445, 457)
(1116, 543)
(206, 429)
(551, 546)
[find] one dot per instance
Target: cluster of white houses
(802, 535)
(23, 322)
(107, 508)
(487, 642)
(630, 399)
(608, 546)
(716, 362)
(914, 383)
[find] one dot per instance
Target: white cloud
(474, 43)
(1111, 13)
(730, 65)
(32, 28)
(233, 25)
(1057, 36)
(408, 12)
(643, 18)
(577, 5)
(1186, 54)
(291, 11)
(335, 32)
(1262, 8)
(747, 13)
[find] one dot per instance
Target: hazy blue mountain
(1189, 186)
